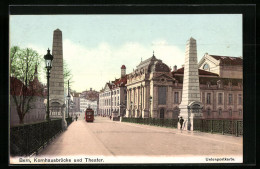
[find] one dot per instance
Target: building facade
(112, 98)
(224, 66)
(153, 90)
(105, 97)
(149, 90)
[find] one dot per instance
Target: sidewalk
(76, 140)
(195, 134)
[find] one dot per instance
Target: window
(176, 112)
(219, 112)
(162, 95)
(161, 113)
(220, 96)
(176, 97)
(208, 112)
(239, 99)
(208, 98)
(206, 67)
(230, 112)
(230, 99)
(239, 112)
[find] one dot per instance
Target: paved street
(105, 137)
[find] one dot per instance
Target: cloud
(92, 67)
(168, 53)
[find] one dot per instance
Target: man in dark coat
(181, 122)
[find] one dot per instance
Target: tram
(89, 115)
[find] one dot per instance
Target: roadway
(109, 138)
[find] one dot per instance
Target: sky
(96, 46)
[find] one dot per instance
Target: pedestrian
(181, 122)
(110, 117)
(76, 117)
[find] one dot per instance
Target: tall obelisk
(57, 78)
(190, 89)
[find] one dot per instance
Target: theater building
(153, 90)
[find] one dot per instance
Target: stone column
(190, 90)
(146, 100)
(128, 103)
(134, 103)
(138, 102)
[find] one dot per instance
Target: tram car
(89, 115)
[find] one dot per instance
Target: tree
(67, 75)
(23, 63)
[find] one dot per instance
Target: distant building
(89, 98)
(105, 97)
(112, 99)
(76, 101)
(35, 90)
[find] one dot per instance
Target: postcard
(126, 89)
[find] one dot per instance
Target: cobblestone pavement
(110, 138)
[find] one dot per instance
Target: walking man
(181, 122)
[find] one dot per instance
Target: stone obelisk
(57, 78)
(190, 106)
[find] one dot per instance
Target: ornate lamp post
(48, 65)
(68, 99)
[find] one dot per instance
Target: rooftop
(228, 60)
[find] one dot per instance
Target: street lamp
(48, 65)
(68, 98)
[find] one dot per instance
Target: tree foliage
(67, 74)
(22, 71)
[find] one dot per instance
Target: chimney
(175, 68)
(123, 68)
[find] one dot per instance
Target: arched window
(206, 67)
